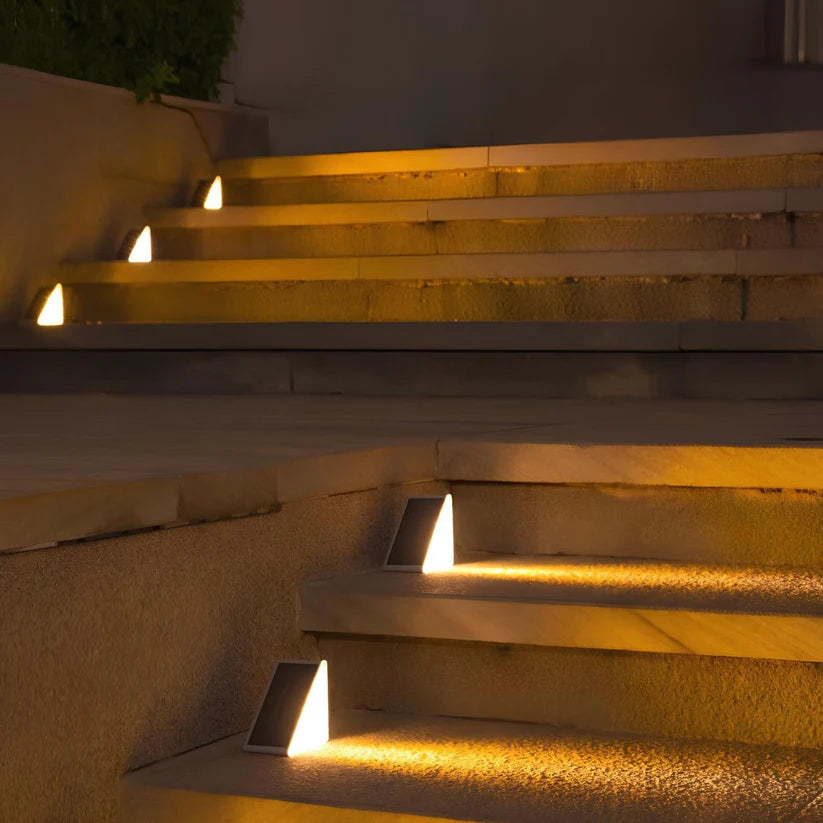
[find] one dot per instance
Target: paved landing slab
(84, 466)
(479, 770)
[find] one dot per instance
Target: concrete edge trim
(37, 521)
(535, 154)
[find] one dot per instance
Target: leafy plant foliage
(149, 46)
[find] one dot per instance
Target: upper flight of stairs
(673, 260)
(599, 652)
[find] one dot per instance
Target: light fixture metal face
(424, 541)
(294, 714)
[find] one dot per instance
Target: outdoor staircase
(653, 268)
(609, 651)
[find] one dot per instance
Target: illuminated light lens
(141, 250)
(312, 730)
(52, 312)
(214, 199)
(440, 553)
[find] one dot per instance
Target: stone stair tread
(599, 603)
(479, 770)
(751, 201)
(538, 154)
(603, 581)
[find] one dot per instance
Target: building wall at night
(384, 74)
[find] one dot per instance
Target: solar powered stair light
(424, 541)
(294, 715)
(136, 247)
(48, 307)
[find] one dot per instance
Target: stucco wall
(382, 74)
(80, 161)
(120, 652)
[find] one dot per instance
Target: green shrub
(149, 46)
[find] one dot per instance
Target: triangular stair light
(424, 541)
(214, 196)
(137, 246)
(294, 714)
(52, 312)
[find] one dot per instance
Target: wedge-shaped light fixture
(52, 312)
(294, 714)
(214, 195)
(424, 541)
(137, 246)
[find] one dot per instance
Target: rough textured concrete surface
(469, 770)
(770, 172)
(770, 527)
(120, 652)
(656, 299)
(470, 236)
(682, 696)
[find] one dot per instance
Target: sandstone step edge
(752, 201)
(546, 154)
(87, 511)
(378, 604)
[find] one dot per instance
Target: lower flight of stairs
(599, 652)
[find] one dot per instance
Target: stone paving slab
(192, 457)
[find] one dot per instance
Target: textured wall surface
(380, 74)
(120, 652)
(80, 161)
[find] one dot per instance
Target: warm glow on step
(141, 250)
(52, 312)
(312, 729)
(214, 198)
(651, 576)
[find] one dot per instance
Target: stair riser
(750, 527)
(602, 178)
(756, 701)
(723, 376)
(588, 299)
(476, 236)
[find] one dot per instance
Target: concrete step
(547, 374)
(679, 696)
(752, 201)
(674, 263)
(626, 299)
(766, 336)
(553, 155)
(739, 526)
(400, 769)
(594, 603)
(574, 179)
(469, 236)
